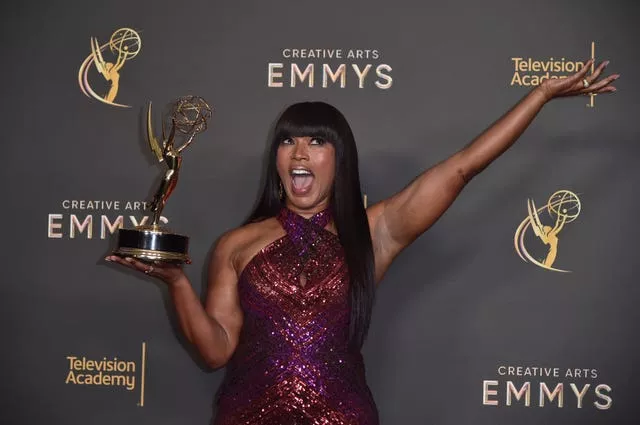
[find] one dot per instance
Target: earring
(280, 191)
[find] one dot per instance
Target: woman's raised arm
(399, 220)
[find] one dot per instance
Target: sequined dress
(293, 364)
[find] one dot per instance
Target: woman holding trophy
(290, 293)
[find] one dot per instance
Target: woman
(291, 292)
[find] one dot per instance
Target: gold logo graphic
(563, 207)
(124, 44)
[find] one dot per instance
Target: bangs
(309, 119)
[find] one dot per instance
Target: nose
(300, 150)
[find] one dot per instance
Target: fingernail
(129, 260)
(107, 258)
(606, 63)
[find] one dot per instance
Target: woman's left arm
(399, 220)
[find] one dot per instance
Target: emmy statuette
(152, 242)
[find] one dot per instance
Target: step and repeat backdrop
(520, 306)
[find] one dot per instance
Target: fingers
(593, 77)
(607, 89)
(580, 74)
(578, 81)
(574, 84)
(132, 263)
(118, 259)
(602, 84)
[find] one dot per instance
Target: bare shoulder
(238, 246)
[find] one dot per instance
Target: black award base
(153, 244)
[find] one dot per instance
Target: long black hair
(319, 119)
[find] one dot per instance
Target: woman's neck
(307, 212)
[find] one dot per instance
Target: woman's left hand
(580, 83)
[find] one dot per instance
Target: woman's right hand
(169, 273)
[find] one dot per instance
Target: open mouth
(301, 180)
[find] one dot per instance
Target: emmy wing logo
(124, 44)
(563, 207)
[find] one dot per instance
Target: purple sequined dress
(293, 364)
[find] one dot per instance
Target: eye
(317, 141)
(286, 141)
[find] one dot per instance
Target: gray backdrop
(455, 307)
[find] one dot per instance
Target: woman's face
(306, 166)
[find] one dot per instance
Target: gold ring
(585, 83)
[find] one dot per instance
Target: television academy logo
(531, 72)
(111, 372)
(563, 207)
(124, 45)
(312, 68)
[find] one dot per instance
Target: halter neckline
(286, 217)
(304, 232)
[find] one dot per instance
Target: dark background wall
(455, 307)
